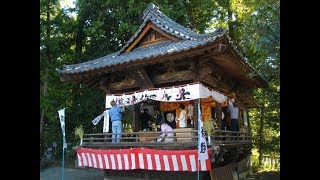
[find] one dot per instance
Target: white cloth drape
(171, 94)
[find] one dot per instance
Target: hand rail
(188, 137)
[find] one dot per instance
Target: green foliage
(127, 121)
(254, 27)
(209, 126)
(79, 131)
(265, 167)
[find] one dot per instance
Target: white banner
(61, 113)
(202, 143)
(172, 94)
(106, 123)
(97, 119)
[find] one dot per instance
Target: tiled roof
(189, 40)
(159, 49)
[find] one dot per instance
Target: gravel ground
(54, 173)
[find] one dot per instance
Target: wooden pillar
(248, 120)
(135, 122)
(261, 134)
(195, 104)
(218, 114)
(197, 101)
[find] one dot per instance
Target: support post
(62, 168)
(136, 124)
(218, 114)
(195, 104)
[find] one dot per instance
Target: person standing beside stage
(234, 113)
(115, 114)
(182, 117)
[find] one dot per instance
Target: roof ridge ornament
(150, 7)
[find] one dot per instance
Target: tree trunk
(261, 134)
(43, 110)
(230, 23)
(78, 56)
(45, 85)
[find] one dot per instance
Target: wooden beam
(173, 76)
(124, 84)
(225, 79)
(216, 69)
(204, 71)
(217, 83)
(96, 84)
(212, 81)
(164, 33)
(220, 48)
(144, 31)
(212, 76)
(142, 78)
(194, 68)
(232, 80)
(104, 86)
(65, 78)
(88, 80)
(98, 79)
(94, 81)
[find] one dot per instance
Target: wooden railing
(184, 139)
(224, 138)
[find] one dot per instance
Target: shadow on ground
(271, 175)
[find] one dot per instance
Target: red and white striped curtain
(142, 158)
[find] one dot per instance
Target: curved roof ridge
(93, 64)
(159, 18)
(135, 35)
(163, 22)
(151, 8)
(173, 28)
